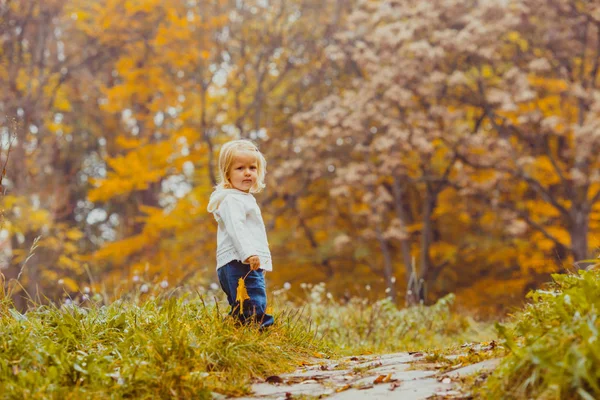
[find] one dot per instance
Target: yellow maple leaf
(242, 293)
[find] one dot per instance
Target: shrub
(553, 342)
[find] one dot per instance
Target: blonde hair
(226, 156)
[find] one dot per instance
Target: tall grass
(169, 347)
(361, 326)
(156, 345)
(554, 344)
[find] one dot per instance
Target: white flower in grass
(144, 288)
(61, 281)
(136, 278)
(86, 289)
(214, 286)
(164, 284)
(368, 287)
(287, 286)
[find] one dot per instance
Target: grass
(362, 327)
(171, 347)
(454, 357)
(554, 344)
(166, 346)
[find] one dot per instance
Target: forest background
(414, 148)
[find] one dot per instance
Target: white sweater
(241, 232)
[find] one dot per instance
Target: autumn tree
(539, 100)
(216, 71)
(456, 101)
(36, 62)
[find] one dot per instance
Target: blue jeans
(254, 308)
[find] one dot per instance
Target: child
(242, 246)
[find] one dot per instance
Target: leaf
(343, 388)
(242, 293)
(364, 387)
(74, 234)
(382, 379)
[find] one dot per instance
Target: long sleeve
(233, 215)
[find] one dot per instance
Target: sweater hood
(217, 197)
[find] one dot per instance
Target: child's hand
(254, 262)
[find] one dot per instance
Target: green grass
(554, 344)
(162, 346)
(178, 347)
(362, 327)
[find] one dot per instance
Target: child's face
(243, 172)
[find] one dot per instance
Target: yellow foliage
(74, 234)
(443, 251)
(70, 284)
(68, 263)
(241, 293)
(560, 234)
(128, 143)
(49, 275)
(543, 171)
(515, 37)
(414, 227)
(117, 252)
(542, 209)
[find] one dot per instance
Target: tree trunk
(398, 192)
(579, 230)
(388, 266)
(426, 238)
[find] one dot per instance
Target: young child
(242, 246)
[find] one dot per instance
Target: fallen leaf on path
(353, 358)
(383, 379)
(395, 385)
(341, 389)
(364, 387)
(415, 353)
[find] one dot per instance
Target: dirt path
(368, 377)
